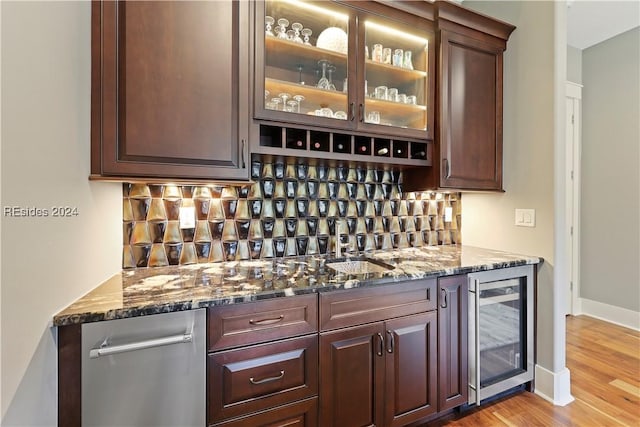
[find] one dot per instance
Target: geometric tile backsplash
(289, 210)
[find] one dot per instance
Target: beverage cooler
(501, 341)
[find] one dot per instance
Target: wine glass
(296, 26)
(275, 102)
(300, 67)
(323, 83)
(292, 106)
(330, 70)
(306, 32)
(285, 96)
(290, 35)
(269, 21)
(299, 99)
(283, 24)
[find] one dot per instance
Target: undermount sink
(359, 265)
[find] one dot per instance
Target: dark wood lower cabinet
(299, 414)
(259, 377)
(352, 376)
(386, 368)
(411, 368)
(452, 335)
(69, 375)
(380, 374)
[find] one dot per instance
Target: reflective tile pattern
(289, 210)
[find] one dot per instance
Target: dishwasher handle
(106, 350)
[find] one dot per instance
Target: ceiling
(590, 22)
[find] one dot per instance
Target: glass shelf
(314, 98)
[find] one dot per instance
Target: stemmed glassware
(323, 83)
(300, 67)
(306, 32)
(296, 26)
(330, 70)
(283, 23)
(275, 102)
(299, 99)
(292, 106)
(269, 21)
(285, 96)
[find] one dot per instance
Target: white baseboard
(610, 313)
(552, 386)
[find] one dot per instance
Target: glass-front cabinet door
(357, 65)
(304, 63)
(395, 87)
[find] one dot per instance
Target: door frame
(572, 171)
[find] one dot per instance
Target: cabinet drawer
(357, 306)
(254, 378)
(299, 414)
(255, 322)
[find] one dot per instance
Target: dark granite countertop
(144, 291)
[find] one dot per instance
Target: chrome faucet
(339, 244)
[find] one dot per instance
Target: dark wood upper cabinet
(452, 335)
(325, 79)
(468, 149)
(471, 113)
(170, 89)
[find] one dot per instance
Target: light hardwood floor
(604, 360)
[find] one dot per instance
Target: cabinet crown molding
(454, 13)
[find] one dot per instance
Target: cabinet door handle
(244, 165)
(390, 342)
(270, 321)
(443, 303)
(445, 166)
(352, 111)
(361, 108)
(380, 351)
(267, 380)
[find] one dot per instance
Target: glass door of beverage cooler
(396, 85)
(303, 64)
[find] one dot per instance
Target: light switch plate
(188, 217)
(525, 217)
(448, 214)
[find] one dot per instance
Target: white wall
(574, 64)
(610, 207)
(47, 262)
(534, 67)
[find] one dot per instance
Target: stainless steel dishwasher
(145, 371)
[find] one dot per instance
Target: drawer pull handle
(267, 380)
(267, 321)
(390, 342)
